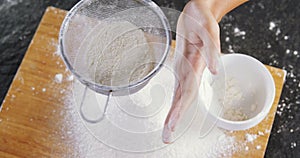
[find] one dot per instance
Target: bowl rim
(224, 123)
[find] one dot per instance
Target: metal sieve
(87, 15)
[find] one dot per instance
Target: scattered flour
(267, 131)
(238, 32)
(246, 148)
(286, 37)
(250, 137)
(227, 39)
(70, 78)
(215, 144)
(57, 52)
(293, 145)
(260, 133)
(258, 147)
(277, 32)
(272, 25)
(58, 78)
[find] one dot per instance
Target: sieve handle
(103, 114)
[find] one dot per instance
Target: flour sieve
(84, 20)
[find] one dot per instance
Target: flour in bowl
(233, 97)
(117, 53)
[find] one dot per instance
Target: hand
(197, 43)
(197, 46)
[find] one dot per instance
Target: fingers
(209, 33)
(202, 36)
(184, 95)
(170, 125)
(196, 44)
(166, 136)
(174, 117)
(189, 67)
(174, 113)
(199, 24)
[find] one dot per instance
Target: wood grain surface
(34, 120)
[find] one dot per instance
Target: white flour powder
(117, 54)
(233, 97)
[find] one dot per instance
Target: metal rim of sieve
(110, 89)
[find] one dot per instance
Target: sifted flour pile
(117, 54)
(224, 97)
(233, 97)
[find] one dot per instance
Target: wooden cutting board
(34, 120)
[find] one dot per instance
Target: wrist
(219, 8)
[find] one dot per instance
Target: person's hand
(197, 46)
(197, 43)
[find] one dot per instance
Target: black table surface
(270, 33)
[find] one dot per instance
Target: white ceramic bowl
(257, 86)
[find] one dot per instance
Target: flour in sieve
(117, 53)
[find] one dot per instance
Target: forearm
(221, 7)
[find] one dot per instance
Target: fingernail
(166, 136)
(166, 140)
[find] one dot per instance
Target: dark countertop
(271, 35)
